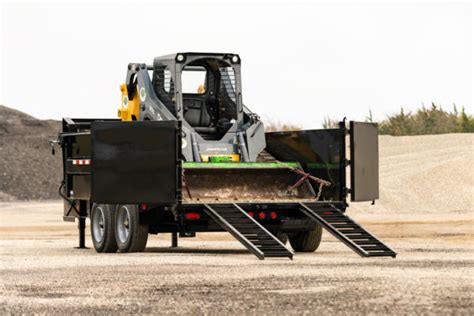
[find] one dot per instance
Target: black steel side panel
(321, 153)
(135, 162)
(364, 161)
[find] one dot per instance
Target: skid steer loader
(187, 156)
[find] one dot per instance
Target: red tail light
(273, 214)
(327, 213)
(143, 206)
(261, 215)
(192, 216)
(251, 214)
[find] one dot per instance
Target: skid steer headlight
(235, 59)
(180, 58)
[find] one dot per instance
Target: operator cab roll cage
(215, 105)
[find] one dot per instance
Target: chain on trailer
(267, 157)
(307, 176)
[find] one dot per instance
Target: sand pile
(430, 173)
(27, 168)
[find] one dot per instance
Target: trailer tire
(130, 234)
(307, 241)
(103, 228)
(282, 237)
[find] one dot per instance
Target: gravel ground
(41, 272)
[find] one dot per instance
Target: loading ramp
(249, 232)
(346, 230)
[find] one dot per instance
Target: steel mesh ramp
(346, 230)
(249, 232)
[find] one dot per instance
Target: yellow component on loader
(130, 108)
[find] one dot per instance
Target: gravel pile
(28, 171)
(420, 174)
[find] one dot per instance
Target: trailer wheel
(130, 234)
(102, 228)
(283, 237)
(307, 241)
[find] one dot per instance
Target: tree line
(426, 120)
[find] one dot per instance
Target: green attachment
(240, 165)
(219, 159)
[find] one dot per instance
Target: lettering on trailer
(81, 162)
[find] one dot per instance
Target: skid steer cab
(187, 156)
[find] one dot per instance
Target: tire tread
(138, 240)
(109, 245)
(307, 241)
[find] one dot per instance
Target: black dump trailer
(130, 179)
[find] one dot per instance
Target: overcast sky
(300, 61)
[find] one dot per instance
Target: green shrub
(330, 123)
(434, 120)
(277, 126)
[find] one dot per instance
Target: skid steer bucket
(244, 182)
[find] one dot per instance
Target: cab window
(193, 80)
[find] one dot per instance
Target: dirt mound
(420, 174)
(28, 171)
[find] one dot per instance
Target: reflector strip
(81, 162)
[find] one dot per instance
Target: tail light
(273, 215)
(192, 216)
(251, 214)
(261, 215)
(143, 206)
